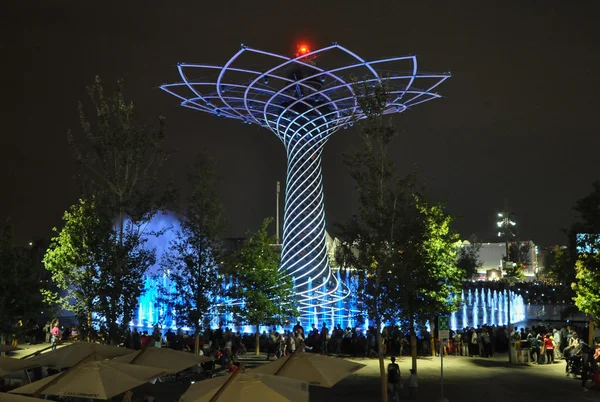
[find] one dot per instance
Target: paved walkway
(465, 378)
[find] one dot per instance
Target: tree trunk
(591, 340)
(89, 325)
(257, 340)
(432, 340)
(384, 393)
(413, 347)
(197, 343)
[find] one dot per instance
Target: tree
(119, 166)
(124, 260)
(558, 265)
(119, 161)
(519, 257)
(588, 209)
(397, 238)
(262, 293)
(374, 238)
(20, 297)
(468, 257)
(587, 265)
(439, 282)
(194, 255)
(587, 283)
(73, 261)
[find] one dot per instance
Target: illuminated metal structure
(303, 103)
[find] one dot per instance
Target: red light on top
(302, 50)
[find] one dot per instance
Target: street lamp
(506, 226)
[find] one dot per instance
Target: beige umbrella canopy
(4, 397)
(9, 365)
(319, 370)
(248, 388)
(93, 380)
(172, 361)
(72, 354)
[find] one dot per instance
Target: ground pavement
(477, 379)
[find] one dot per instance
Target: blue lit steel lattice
(303, 104)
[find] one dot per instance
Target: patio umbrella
(9, 365)
(70, 355)
(319, 370)
(247, 388)
(93, 380)
(172, 361)
(4, 397)
(7, 348)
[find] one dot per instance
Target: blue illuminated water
(486, 306)
(480, 306)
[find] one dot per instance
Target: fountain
(480, 306)
(491, 306)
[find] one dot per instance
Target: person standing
(474, 345)
(557, 343)
(549, 346)
(394, 379)
(48, 332)
(457, 344)
(324, 338)
(54, 334)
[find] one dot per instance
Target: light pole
(506, 225)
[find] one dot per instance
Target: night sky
(518, 120)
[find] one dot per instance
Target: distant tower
(303, 104)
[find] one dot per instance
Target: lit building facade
(492, 254)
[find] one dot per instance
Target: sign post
(443, 333)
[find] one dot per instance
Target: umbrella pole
(63, 373)
(226, 384)
(286, 362)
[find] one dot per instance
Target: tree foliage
(587, 283)
(119, 167)
(559, 265)
(587, 265)
(97, 268)
(124, 261)
(440, 280)
(194, 255)
(120, 161)
(468, 257)
(20, 298)
(262, 293)
(73, 260)
(402, 246)
(518, 259)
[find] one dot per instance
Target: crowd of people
(538, 344)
